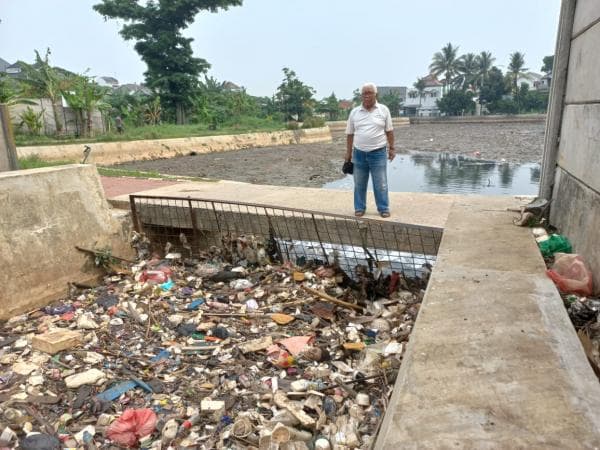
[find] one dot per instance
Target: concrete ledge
(481, 119)
(419, 209)
(340, 125)
(46, 212)
(493, 361)
(118, 152)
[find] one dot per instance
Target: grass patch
(163, 131)
(35, 162)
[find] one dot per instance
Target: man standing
(369, 144)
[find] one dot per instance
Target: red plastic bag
(156, 276)
(131, 426)
(571, 275)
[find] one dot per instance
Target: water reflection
(449, 173)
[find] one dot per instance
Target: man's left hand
(391, 154)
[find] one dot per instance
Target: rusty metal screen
(193, 225)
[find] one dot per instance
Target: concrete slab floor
(406, 207)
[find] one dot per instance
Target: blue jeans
(375, 163)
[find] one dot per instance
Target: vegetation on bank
(178, 99)
(470, 79)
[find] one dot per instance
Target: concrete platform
(429, 210)
(493, 361)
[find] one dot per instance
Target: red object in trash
(570, 274)
(157, 276)
(131, 426)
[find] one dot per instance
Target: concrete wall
(340, 125)
(8, 153)
(45, 213)
(67, 118)
(481, 119)
(575, 209)
(118, 152)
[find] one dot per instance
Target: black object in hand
(348, 167)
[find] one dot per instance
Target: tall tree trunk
(57, 119)
(88, 116)
(180, 113)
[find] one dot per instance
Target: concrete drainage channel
(242, 326)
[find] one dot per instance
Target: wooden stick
(331, 299)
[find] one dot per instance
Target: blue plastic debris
(116, 391)
(163, 354)
(195, 304)
(167, 285)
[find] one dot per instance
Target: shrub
(313, 122)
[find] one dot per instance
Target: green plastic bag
(554, 244)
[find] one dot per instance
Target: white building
(424, 105)
(532, 79)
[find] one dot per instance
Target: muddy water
(445, 173)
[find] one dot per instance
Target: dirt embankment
(313, 165)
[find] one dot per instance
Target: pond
(445, 173)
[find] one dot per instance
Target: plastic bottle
(185, 427)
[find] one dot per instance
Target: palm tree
(516, 69)
(419, 85)
(467, 69)
(485, 60)
(444, 62)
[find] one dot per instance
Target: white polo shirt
(369, 127)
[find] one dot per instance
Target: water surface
(445, 173)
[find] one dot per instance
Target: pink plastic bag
(570, 274)
(131, 426)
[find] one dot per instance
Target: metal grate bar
(193, 225)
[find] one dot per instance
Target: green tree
(485, 60)
(85, 96)
(392, 100)
(467, 69)
(531, 101)
(419, 85)
(356, 97)
(548, 63)
(494, 88)
(11, 92)
(516, 68)
(456, 103)
(172, 70)
(43, 80)
(295, 98)
(444, 63)
(330, 106)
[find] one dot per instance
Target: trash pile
(573, 279)
(175, 353)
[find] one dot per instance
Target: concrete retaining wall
(45, 213)
(575, 209)
(340, 125)
(481, 119)
(118, 152)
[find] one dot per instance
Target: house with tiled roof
(424, 105)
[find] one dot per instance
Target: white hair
(368, 85)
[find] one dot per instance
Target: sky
(334, 46)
